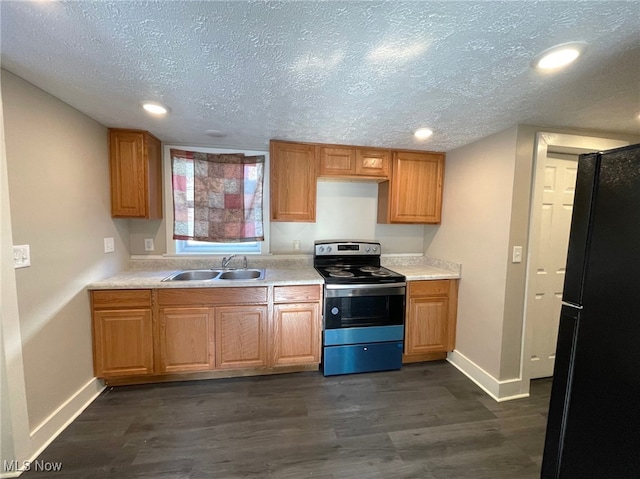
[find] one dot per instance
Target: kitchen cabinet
(430, 325)
(296, 328)
(414, 192)
(241, 336)
(293, 181)
(344, 162)
(162, 334)
(186, 339)
(122, 333)
(136, 178)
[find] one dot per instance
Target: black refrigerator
(593, 428)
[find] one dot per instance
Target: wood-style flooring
(425, 421)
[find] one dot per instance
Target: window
(192, 246)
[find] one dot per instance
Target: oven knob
(334, 310)
(321, 249)
(375, 248)
(367, 249)
(328, 249)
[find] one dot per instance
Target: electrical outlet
(21, 256)
(517, 254)
(148, 244)
(109, 245)
(296, 245)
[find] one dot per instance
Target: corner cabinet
(122, 333)
(136, 174)
(430, 327)
(414, 192)
(293, 181)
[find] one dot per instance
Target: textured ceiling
(365, 73)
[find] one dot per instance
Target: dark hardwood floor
(425, 421)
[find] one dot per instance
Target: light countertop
(281, 276)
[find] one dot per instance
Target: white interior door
(559, 180)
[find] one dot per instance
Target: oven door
(364, 306)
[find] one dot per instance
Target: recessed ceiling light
(215, 133)
(423, 133)
(155, 108)
(559, 56)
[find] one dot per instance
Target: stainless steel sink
(243, 274)
(193, 275)
(216, 274)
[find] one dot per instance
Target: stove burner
(333, 269)
(380, 273)
(341, 274)
(369, 269)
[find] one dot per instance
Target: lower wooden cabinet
(253, 330)
(241, 336)
(430, 325)
(186, 339)
(295, 334)
(122, 333)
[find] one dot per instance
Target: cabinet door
(414, 193)
(427, 328)
(123, 343)
(296, 334)
(372, 163)
(186, 339)
(293, 182)
(136, 184)
(337, 161)
(241, 336)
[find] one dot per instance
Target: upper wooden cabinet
(349, 162)
(136, 178)
(414, 192)
(293, 181)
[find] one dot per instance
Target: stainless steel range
(364, 308)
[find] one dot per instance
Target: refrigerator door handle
(572, 305)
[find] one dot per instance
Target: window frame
(183, 248)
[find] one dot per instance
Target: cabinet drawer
(118, 298)
(428, 287)
(296, 294)
(211, 296)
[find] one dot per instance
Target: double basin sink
(216, 274)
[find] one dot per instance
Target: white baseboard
(57, 422)
(499, 390)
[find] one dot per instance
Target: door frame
(544, 143)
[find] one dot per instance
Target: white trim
(498, 390)
(57, 422)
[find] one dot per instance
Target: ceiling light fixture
(423, 133)
(155, 108)
(215, 133)
(559, 56)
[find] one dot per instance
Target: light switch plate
(21, 256)
(109, 245)
(517, 254)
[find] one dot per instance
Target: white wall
(346, 210)
(58, 178)
(475, 232)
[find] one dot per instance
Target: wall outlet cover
(21, 256)
(109, 245)
(148, 244)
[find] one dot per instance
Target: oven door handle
(347, 291)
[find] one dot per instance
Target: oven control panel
(340, 248)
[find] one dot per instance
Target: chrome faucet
(226, 261)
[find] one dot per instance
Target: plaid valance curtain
(217, 197)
